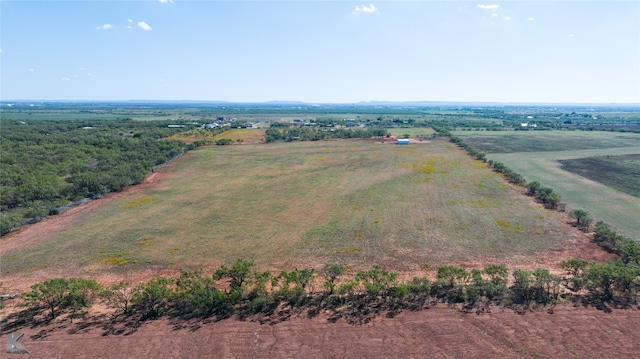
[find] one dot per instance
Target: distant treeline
(279, 131)
(47, 164)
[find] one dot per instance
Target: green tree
(377, 281)
(605, 279)
(331, 272)
(533, 187)
(238, 274)
(49, 294)
(582, 217)
(545, 286)
(574, 267)
(521, 290)
(81, 293)
(151, 298)
(420, 289)
(196, 295)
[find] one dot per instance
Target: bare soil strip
(570, 332)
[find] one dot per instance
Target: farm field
(618, 207)
(619, 172)
(303, 204)
(547, 141)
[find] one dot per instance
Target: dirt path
(435, 333)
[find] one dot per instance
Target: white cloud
(166, 1)
(364, 8)
(572, 36)
(488, 7)
(130, 21)
(144, 26)
(494, 15)
(530, 19)
(506, 18)
(104, 27)
(65, 79)
(31, 70)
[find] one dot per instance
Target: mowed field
(302, 204)
(538, 156)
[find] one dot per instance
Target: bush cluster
(626, 248)
(545, 195)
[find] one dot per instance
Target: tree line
(46, 164)
(278, 132)
(241, 290)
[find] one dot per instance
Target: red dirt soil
(570, 332)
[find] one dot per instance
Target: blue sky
(321, 51)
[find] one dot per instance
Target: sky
(328, 51)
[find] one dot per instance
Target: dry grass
(304, 204)
(243, 135)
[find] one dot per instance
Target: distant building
(402, 141)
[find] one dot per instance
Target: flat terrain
(619, 172)
(406, 208)
(547, 141)
(568, 333)
(538, 156)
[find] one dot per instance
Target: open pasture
(243, 135)
(542, 163)
(306, 204)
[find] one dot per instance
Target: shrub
(152, 298)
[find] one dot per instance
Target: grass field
(303, 204)
(244, 135)
(619, 208)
